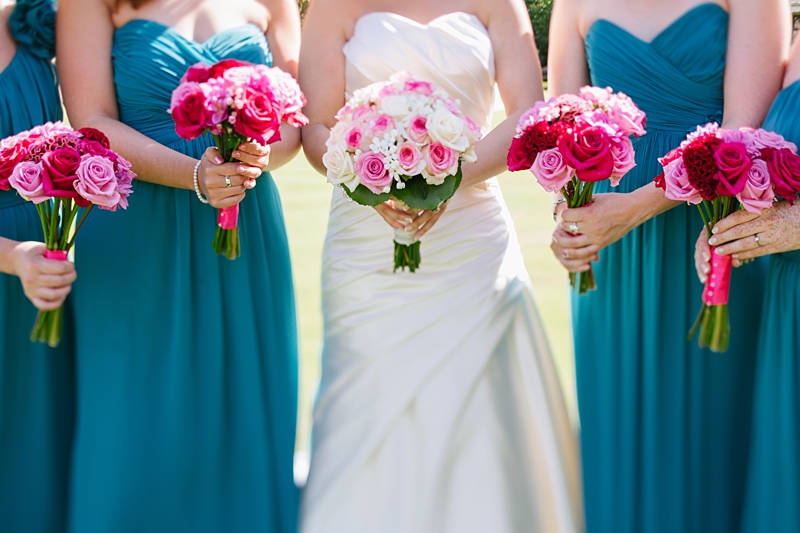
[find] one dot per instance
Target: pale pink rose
(626, 115)
(747, 138)
(181, 92)
(757, 193)
(125, 177)
(770, 139)
(712, 128)
(381, 123)
(410, 158)
(442, 161)
(473, 128)
(353, 137)
(420, 87)
(373, 173)
(97, 182)
(450, 105)
(550, 170)
(27, 181)
(418, 129)
(596, 95)
(677, 184)
(624, 158)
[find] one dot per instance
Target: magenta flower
(27, 181)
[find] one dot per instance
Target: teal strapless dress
(36, 382)
(664, 424)
(773, 492)
(186, 361)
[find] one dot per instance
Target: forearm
(153, 162)
(314, 138)
(284, 151)
(648, 202)
(492, 153)
(7, 263)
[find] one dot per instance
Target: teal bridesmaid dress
(664, 424)
(36, 382)
(773, 492)
(186, 361)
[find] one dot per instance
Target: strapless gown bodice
(452, 51)
(420, 415)
(149, 60)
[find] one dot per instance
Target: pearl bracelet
(196, 186)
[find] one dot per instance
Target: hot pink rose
(418, 129)
(190, 114)
(734, 163)
(27, 181)
(757, 193)
(58, 178)
(10, 156)
(442, 161)
(624, 158)
(372, 172)
(769, 139)
(784, 168)
(410, 158)
(550, 170)
(587, 149)
(97, 182)
(197, 73)
(676, 183)
(257, 119)
(354, 136)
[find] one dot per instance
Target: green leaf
(363, 196)
(417, 194)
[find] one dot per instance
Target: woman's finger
(434, 217)
(51, 281)
(753, 253)
(252, 148)
(52, 267)
(389, 217)
(404, 219)
(229, 201)
(744, 244)
(212, 154)
(50, 294)
(566, 240)
(738, 217)
(586, 253)
(44, 305)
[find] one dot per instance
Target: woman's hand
(609, 218)
(253, 154)
(744, 235)
(575, 252)
(702, 256)
(224, 184)
(46, 282)
(404, 219)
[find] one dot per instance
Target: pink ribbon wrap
(56, 255)
(228, 217)
(718, 286)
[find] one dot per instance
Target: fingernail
(407, 221)
(218, 160)
(240, 169)
(237, 154)
(706, 257)
(706, 268)
(720, 250)
(715, 230)
(712, 241)
(408, 228)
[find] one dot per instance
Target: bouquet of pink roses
(721, 171)
(64, 173)
(572, 142)
(401, 140)
(236, 102)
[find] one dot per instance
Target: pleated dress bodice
(187, 384)
(36, 381)
(664, 424)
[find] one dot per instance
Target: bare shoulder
(335, 16)
(500, 12)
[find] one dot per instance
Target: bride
(439, 407)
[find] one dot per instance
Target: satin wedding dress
(439, 408)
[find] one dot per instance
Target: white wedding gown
(439, 408)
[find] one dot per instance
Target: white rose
(448, 129)
(469, 156)
(340, 167)
(336, 137)
(395, 106)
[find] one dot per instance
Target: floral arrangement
(236, 102)
(571, 142)
(401, 140)
(65, 173)
(721, 171)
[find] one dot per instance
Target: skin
(45, 282)
(758, 41)
(778, 228)
(85, 31)
(330, 24)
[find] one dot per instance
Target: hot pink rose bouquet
(571, 142)
(236, 102)
(721, 171)
(65, 173)
(401, 140)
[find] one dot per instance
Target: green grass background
(306, 197)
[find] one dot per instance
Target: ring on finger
(573, 227)
(565, 255)
(228, 181)
(758, 240)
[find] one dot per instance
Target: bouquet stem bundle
(579, 194)
(226, 239)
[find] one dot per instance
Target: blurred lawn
(306, 197)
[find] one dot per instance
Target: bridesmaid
(773, 493)
(664, 424)
(36, 382)
(186, 361)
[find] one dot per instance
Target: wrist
(9, 255)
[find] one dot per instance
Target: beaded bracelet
(196, 186)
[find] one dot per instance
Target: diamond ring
(565, 255)
(758, 240)
(227, 181)
(573, 227)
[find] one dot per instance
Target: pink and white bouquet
(402, 140)
(571, 142)
(64, 173)
(721, 171)
(236, 102)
